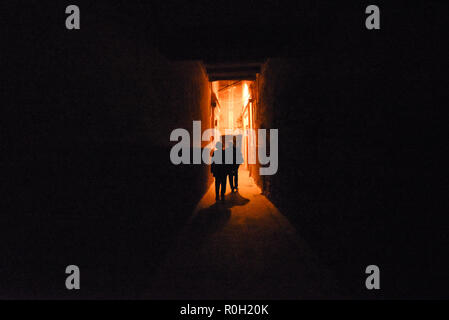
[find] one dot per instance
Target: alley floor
(242, 248)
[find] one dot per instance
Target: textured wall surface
(88, 162)
(347, 108)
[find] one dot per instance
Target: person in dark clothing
(230, 163)
(234, 170)
(219, 171)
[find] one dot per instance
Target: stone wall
(352, 107)
(88, 156)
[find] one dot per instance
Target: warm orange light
(245, 95)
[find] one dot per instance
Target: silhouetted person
(219, 171)
(234, 169)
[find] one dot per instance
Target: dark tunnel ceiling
(234, 38)
(218, 32)
(243, 70)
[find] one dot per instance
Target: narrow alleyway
(243, 248)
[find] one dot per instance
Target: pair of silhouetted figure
(223, 170)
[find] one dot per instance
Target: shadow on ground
(235, 199)
(211, 219)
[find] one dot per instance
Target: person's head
(219, 145)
